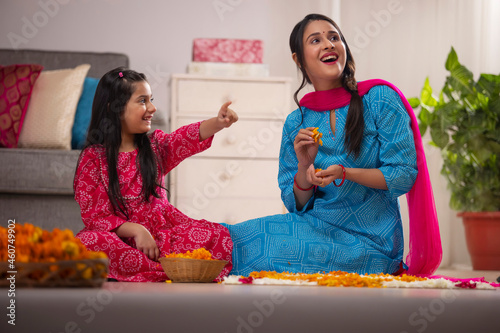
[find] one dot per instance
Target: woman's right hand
(305, 147)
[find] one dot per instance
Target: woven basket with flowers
(34, 257)
(192, 266)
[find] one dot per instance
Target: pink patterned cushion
(16, 85)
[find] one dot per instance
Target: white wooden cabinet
(235, 179)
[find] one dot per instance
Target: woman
(346, 216)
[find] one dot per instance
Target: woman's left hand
(324, 177)
(226, 116)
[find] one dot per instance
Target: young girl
(119, 182)
(346, 216)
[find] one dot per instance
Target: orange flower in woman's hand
(317, 136)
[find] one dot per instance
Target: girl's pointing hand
(226, 116)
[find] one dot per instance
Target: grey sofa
(36, 185)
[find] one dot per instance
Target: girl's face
(324, 55)
(139, 110)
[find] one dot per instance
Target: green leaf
(424, 116)
(483, 101)
(414, 102)
(494, 147)
(489, 84)
(448, 115)
(494, 107)
(439, 137)
(433, 144)
(426, 97)
(452, 61)
(482, 155)
(423, 128)
(461, 79)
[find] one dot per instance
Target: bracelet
(343, 176)
(300, 188)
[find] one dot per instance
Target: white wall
(157, 35)
(405, 41)
(403, 47)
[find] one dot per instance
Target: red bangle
(343, 176)
(300, 188)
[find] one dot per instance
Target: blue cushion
(83, 113)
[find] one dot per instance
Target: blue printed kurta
(351, 228)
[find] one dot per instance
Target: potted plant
(464, 123)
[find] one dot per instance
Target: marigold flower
(200, 253)
(34, 244)
(333, 279)
(317, 136)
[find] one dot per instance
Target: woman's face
(324, 55)
(139, 110)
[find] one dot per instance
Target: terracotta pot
(482, 233)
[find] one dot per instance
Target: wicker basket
(192, 270)
(68, 273)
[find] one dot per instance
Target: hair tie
(120, 74)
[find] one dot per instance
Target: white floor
(490, 276)
(183, 307)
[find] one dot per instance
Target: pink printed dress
(173, 231)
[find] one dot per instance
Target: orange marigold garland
(344, 279)
(332, 279)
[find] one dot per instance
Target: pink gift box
(228, 50)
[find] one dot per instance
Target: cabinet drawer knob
(231, 139)
(224, 176)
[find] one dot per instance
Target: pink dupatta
(425, 250)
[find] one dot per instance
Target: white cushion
(51, 111)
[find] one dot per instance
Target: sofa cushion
(51, 112)
(83, 113)
(16, 86)
(38, 171)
